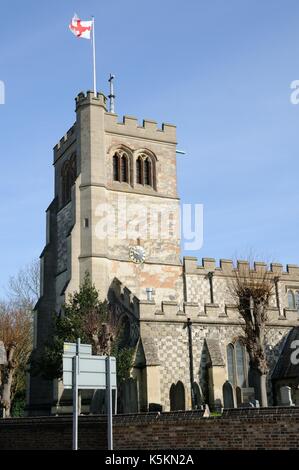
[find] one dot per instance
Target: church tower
(115, 215)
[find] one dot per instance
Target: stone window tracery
(146, 170)
(237, 364)
(68, 177)
(121, 167)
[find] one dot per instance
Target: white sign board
(91, 374)
(71, 349)
(81, 370)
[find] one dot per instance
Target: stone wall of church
(219, 321)
(171, 340)
(145, 218)
(165, 280)
(198, 289)
(65, 222)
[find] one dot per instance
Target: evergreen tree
(84, 316)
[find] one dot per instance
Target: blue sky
(221, 71)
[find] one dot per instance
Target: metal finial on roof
(112, 95)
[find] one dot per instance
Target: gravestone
(129, 396)
(155, 407)
(255, 403)
(206, 409)
(286, 396)
(197, 395)
(245, 396)
(229, 399)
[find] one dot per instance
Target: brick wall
(269, 428)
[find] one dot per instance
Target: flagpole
(94, 58)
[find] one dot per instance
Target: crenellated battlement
(124, 296)
(229, 267)
(129, 126)
(210, 314)
(88, 98)
(65, 142)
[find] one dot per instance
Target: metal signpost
(81, 370)
(75, 373)
(109, 368)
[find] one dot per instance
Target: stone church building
(178, 314)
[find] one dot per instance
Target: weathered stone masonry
(180, 290)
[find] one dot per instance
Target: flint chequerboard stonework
(103, 161)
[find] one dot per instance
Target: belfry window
(145, 171)
(139, 170)
(121, 167)
(68, 177)
(124, 169)
(115, 168)
(237, 364)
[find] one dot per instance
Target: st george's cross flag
(86, 30)
(81, 29)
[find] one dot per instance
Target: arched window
(172, 396)
(145, 170)
(230, 364)
(121, 167)
(240, 364)
(68, 177)
(115, 168)
(237, 364)
(139, 170)
(124, 169)
(291, 299)
(297, 299)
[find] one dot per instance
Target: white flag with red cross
(81, 29)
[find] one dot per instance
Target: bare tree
(16, 335)
(251, 291)
(23, 288)
(101, 331)
(16, 328)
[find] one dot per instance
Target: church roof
(147, 352)
(285, 368)
(150, 351)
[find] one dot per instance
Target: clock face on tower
(137, 254)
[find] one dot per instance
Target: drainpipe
(189, 326)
